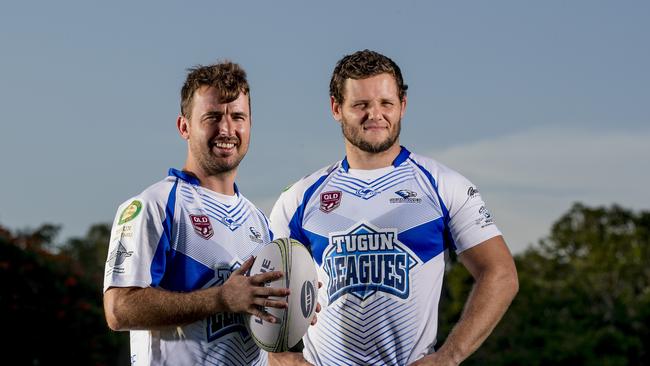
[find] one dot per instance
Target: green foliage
(584, 296)
(51, 303)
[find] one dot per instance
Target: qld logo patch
(364, 260)
(329, 201)
(202, 226)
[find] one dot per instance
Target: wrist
(449, 355)
(215, 299)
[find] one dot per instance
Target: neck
(359, 159)
(223, 183)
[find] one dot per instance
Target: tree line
(584, 296)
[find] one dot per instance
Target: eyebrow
(213, 114)
(239, 114)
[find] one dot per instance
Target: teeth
(225, 145)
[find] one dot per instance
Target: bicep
(490, 256)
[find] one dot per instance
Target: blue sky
(541, 104)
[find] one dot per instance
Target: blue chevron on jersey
(367, 190)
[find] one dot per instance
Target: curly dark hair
(226, 76)
(361, 65)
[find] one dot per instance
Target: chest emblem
(202, 226)
(330, 200)
(365, 260)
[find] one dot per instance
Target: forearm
(151, 308)
(287, 359)
(488, 301)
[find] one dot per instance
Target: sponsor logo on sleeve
(472, 192)
(330, 200)
(130, 212)
(117, 257)
(486, 218)
(202, 226)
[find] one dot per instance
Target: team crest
(365, 260)
(330, 200)
(202, 226)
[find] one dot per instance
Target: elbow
(512, 282)
(112, 310)
(114, 322)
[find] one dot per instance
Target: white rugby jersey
(378, 239)
(179, 236)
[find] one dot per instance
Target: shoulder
(156, 195)
(309, 182)
(441, 174)
(294, 197)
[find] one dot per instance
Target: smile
(225, 145)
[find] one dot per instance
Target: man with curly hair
(378, 223)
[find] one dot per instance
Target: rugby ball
(292, 258)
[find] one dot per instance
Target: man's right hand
(248, 294)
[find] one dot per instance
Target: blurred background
(544, 106)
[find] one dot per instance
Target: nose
(226, 126)
(374, 112)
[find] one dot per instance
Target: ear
(401, 114)
(336, 109)
(183, 126)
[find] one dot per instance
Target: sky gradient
(539, 104)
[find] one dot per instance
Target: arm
(287, 359)
(496, 283)
(129, 308)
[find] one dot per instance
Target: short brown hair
(361, 65)
(226, 76)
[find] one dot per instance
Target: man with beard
(378, 223)
(179, 251)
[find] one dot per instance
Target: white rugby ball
(292, 258)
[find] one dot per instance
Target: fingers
(315, 318)
(265, 316)
(268, 303)
(263, 278)
(244, 267)
(271, 291)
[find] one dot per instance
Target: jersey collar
(189, 178)
(401, 157)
